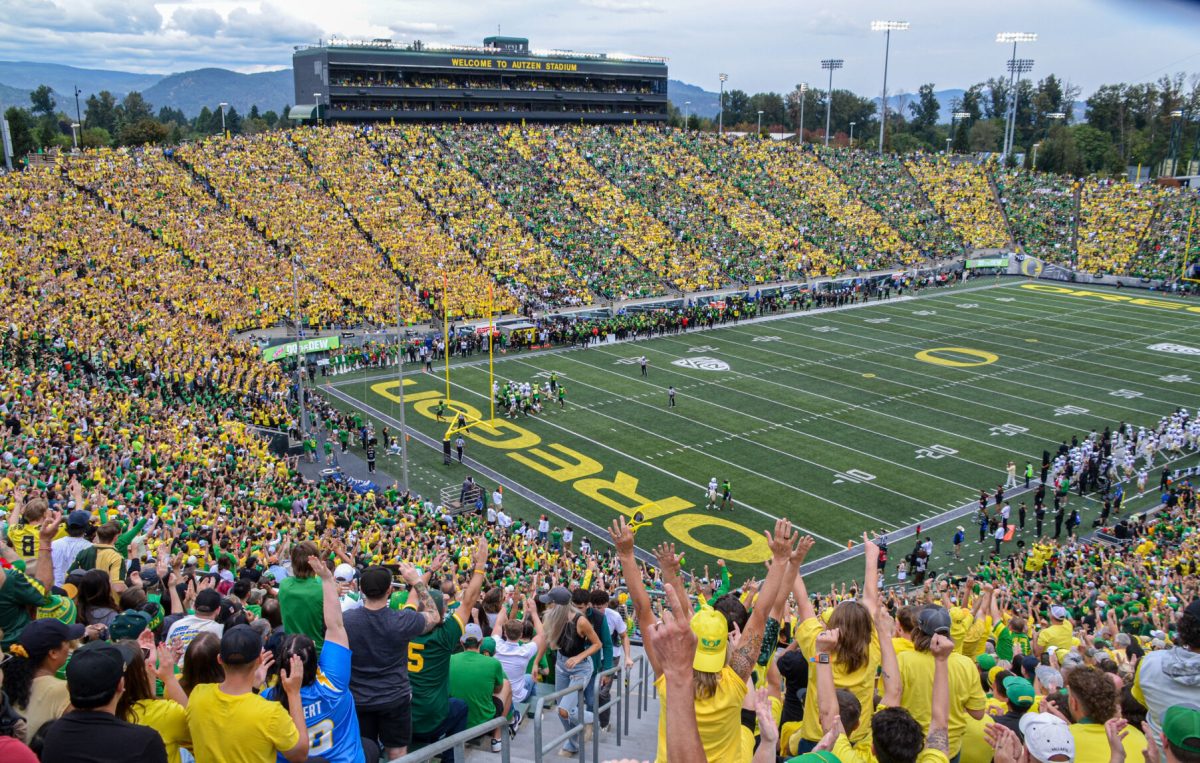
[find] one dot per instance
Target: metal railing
(459, 743)
(540, 748)
(616, 697)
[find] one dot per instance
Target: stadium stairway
(638, 742)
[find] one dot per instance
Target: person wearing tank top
(570, 634)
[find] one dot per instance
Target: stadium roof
(418, 46)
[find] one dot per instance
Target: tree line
(1153, 124)
(130, 121)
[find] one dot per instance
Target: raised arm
(781, 543)
(478, 572)
(623, 539)
(893, 686)
(871, 575)
(335, 629)
(675, 642)
(44, 571)
(939, 720)
(826, 689)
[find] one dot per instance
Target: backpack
(85, 560)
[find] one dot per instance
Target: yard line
(921, 390)
(1050, 361)
(672, 474)
(1156, 356)
(749, 470)
(775, 425)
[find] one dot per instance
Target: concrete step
(637, 742)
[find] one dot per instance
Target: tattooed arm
(939, 722)
(420, 589)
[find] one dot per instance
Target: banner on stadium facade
(288, 350)
(987, 262)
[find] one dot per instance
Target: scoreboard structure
(502, 80)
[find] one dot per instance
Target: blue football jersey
(329, 709)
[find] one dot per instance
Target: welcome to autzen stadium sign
(288, 350)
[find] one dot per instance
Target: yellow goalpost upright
(462, 420)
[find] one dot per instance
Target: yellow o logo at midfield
(753, 552)
(984, 358)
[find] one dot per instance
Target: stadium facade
(502, 80)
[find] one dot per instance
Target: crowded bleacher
(173, 589)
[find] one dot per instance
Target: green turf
(822, 418)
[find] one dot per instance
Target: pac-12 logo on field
(1179, 349)
(701, 363)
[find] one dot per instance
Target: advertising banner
(288, 350)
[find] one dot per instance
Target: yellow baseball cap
(712, 636)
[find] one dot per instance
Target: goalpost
(462, 420)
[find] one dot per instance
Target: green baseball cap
(985, 661)
(824, 756)
(1181, 726)
(1019, 691)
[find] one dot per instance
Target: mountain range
(191, 91)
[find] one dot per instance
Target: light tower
(832, 64)
(887, 27)
(1011, 112)
(721, 113)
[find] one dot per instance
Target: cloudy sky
(762, 44)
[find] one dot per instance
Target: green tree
(134, 108)
(925, 109)
(95, 137)
(972, 102)
(735, 105)
(996, 103)
(271, 118)
(144, 130)
(167, 114)
(43, 100)
(101, 111)
(20, 129)
(986, 135)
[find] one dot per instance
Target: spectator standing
(229, 723)
(91, 732)
(202, 620)
(67, 548)
(479, 681)
(379, 639)
(300, 596)
(31, 680)
(435, 715)
(1168, 677)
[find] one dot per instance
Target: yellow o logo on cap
(984, 358)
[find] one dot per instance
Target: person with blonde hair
(570, 634)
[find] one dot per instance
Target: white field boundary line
(782, 316)
(945, 518)
(972, 378)
(1051, 361)
(516, 487)
(727, 434)
(700, 488)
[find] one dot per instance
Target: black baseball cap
(557, 595)
(207, 600)
(240, 645)
(375, 582)
(933, 620)
(95, 670)
(40, 636)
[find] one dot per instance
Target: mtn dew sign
(987, 262)
(288, 350)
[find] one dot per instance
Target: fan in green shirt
(301, 602)
(476, 679)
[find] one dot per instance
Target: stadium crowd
(172, 590)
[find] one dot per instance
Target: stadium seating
(960, 191)
(1113, 218)
(882, 183)
(1041, 210)
(1163, 250)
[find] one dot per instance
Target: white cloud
(622, 6)
(118, 16)
(270, 23)
(198, 21)
(402, 28)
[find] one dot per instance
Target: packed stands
(961, 192)
(515, 257)
(1113, 218)
(265, 179)
(1163, 251)
(518, 179)
(367, 184)
(882, 183)
(1041, 210)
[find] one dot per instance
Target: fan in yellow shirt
(1092, 699)
(1058, 634)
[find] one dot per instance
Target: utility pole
(721, 113)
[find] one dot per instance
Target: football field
(876, 417)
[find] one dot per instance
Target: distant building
(503, 80)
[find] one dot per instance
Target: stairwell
(1078, 211)
(929, 203)
(991, 178)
